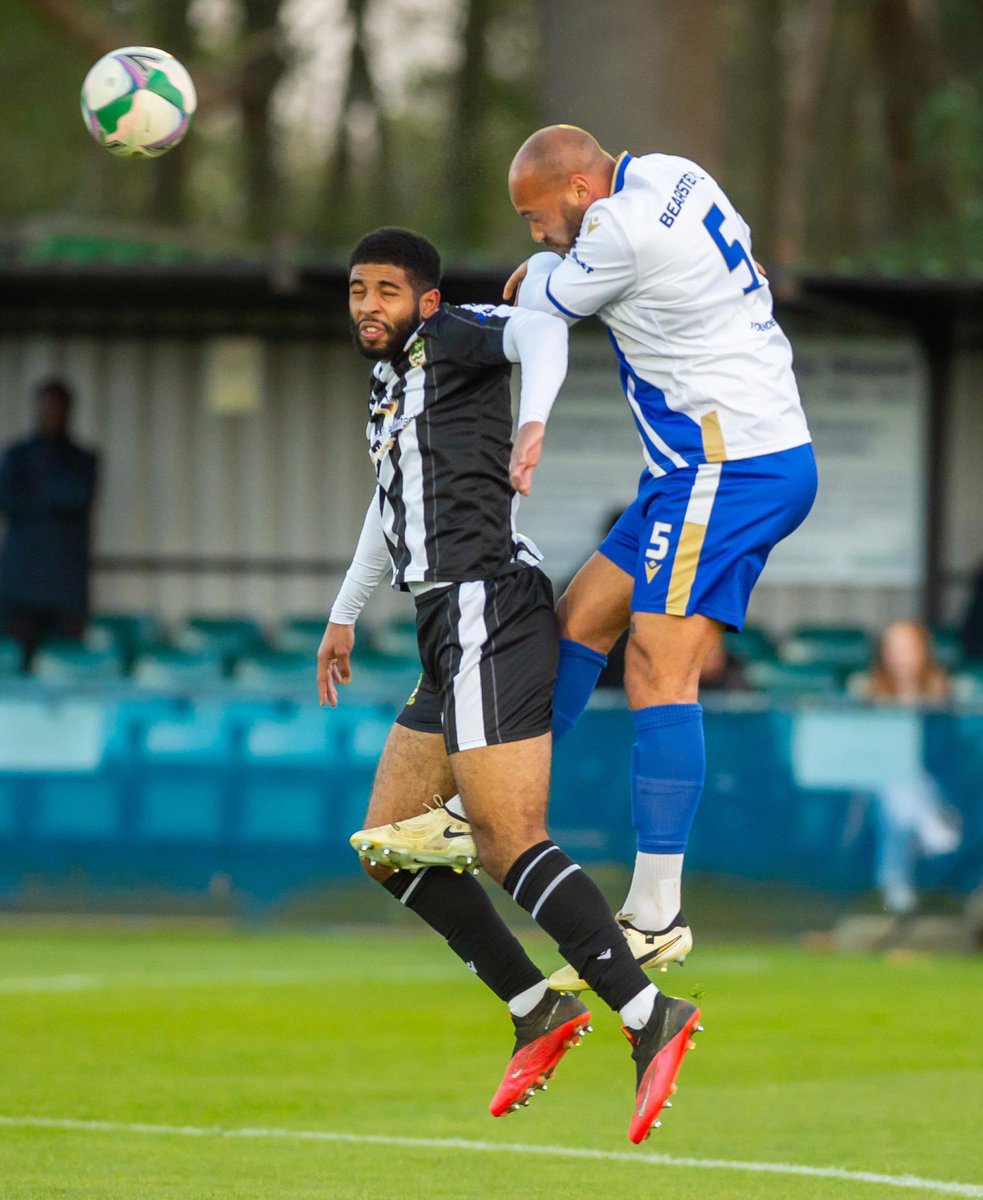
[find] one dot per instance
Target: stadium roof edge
(296, 298)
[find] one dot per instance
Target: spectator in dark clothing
(971, 633)
(47, 487)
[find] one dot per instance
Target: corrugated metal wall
(289, 481)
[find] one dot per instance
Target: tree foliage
(849, 132)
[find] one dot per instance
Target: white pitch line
(915, 1182)
(17, 985)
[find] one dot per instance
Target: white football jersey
(665, 262)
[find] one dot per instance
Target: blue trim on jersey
(556, 304)
(680, 432)
(619, 175)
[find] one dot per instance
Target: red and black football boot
(555, 1025)
(658, 1049)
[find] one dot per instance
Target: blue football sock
(667, 772)
(576, 677)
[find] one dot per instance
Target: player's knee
(591, 627)
(652, 677)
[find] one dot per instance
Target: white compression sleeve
(369, 563)
(539, 344)
(532, 290)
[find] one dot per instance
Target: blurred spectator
(971, 631)
(912, 820)
(47, 487)
(904, 667)
(722, 671)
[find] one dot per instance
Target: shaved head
(556, 175)
(555, 153)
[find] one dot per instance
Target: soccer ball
(138, 101)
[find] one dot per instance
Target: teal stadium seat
(842, 648)
(379, 678)
(947, 647)
(277, 671)
(10, 656)
(967, 683)
(397, 639)
(787, 681)
(228, 637)
(73, 663)
(170, 669)
(128, 633)
(752, 644)
(302, 634)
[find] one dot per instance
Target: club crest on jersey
(418, 353)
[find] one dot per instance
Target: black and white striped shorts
(489, 651)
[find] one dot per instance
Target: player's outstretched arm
(367, 568)
(526, 453)
(514, 282)
(538, 343)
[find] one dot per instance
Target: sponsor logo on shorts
(412, 699)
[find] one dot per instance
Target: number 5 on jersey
(658, 548)
(733, 252)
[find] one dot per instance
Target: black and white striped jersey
(440, 436)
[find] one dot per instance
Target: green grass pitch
(867, 1064)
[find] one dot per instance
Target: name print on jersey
(679, 194)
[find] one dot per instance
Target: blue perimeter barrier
(169, 792)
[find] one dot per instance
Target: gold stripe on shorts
(691, 537)
(684, 568)
(713, 438)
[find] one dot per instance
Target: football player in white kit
(653, 247)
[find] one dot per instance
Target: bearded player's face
(385, 308)
(554, 216)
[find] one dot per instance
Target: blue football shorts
(696, 540)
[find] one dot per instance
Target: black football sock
(565, 902)
(458, 908)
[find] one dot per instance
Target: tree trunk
(355, 192)
(642, 75)
(806, 38)
(168, 194)
(260, 75)
(905, 53)
(467, 172)
(753, 129)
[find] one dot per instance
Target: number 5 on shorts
(658, 548)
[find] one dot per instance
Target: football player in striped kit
(654, 248)
(439, 435)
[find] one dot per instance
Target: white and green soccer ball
(138, 101)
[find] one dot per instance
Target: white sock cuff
(659, 866)
(638, 1010)
(456, 808)
(523, 1004)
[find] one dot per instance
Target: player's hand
(526, 453)
(511, 289)
(333, 662)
